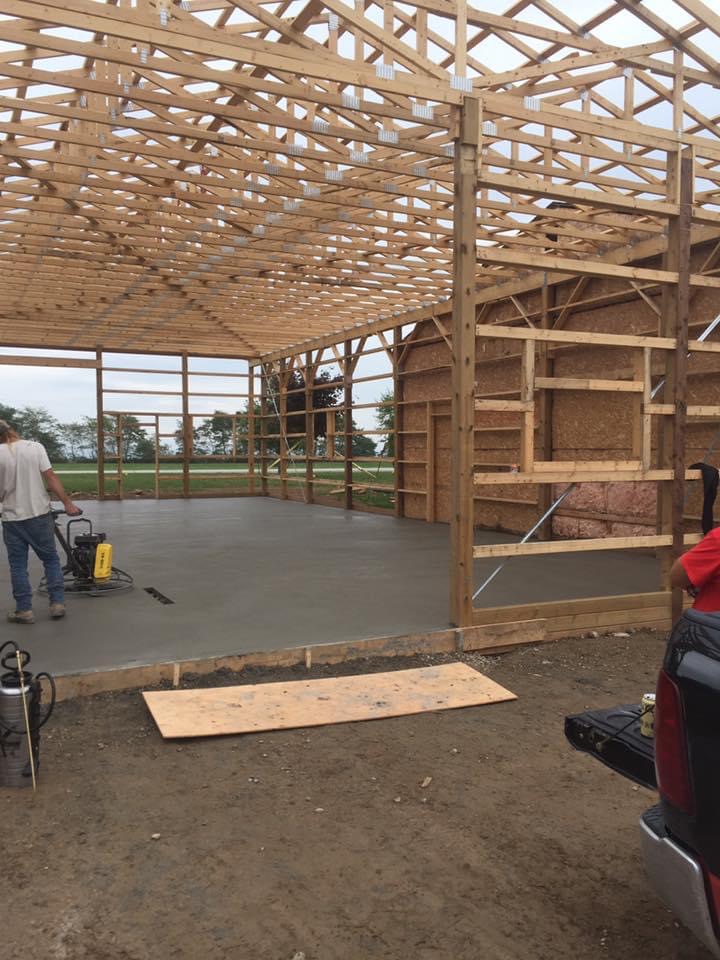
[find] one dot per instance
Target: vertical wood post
(545, 368)
(263, 429)
(330, 451)
(120, 452)
(674, 322)
(282, 427)
(251, 428)
(679, 234)
(309, 426)
(430, 454)
(642, 422)
(187, 430)
(157, 456)
(100, 414)
(463, 364)
(348, 367)
(527, 395)
(399, 423)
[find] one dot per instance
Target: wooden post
(309, 426)
(463, 364)
(120, 452)
(674, 323)
(545, 368)
(100, 414)
(347, 423)
(330, 451)
(263, 429)
(679, 235)
(398, 419)
(157, 456)
(282, 427)
(527, 395)
(430, 453)
(642, 422)
(187, 427)
(251, 428)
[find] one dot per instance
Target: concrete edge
(497, 636)
(487, 639)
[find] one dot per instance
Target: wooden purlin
(321, 139)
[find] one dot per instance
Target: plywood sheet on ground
(278, 706)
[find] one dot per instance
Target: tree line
(76, 441)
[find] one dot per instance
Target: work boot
(57, 611)
(21, 616)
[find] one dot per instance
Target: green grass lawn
(80, 479)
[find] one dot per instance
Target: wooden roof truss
(239, 177)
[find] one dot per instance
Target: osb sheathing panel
(586, 426)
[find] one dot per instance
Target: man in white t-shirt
(26, 476)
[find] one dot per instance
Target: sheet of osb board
(311, 703)
(705, 386)
(414, 418)
(416, 450)
(414, 506)
(627, 316)
(593, 453)
(428, 384)
(502, 441)
(600, 421)
(413, 478)
(427, 355)
(601, 363)
(506, 517)
(495, 378)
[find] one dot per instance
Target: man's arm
(54, 485)
(678, 576)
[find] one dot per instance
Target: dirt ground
(321, 844)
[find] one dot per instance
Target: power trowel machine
(88, 569)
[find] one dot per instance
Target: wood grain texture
(312, 703)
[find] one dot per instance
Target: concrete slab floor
(257, 574)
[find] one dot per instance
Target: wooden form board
(568, 618)
(281, 706)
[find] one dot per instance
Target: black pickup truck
(680, 836)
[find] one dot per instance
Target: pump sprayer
(21, 717)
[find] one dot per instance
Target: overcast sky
(70, 394)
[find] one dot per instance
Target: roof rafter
(238, 176)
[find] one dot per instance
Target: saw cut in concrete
(251, 708)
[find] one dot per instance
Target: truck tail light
(713, 884)
(671, 759)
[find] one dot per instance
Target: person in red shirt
(698, 572)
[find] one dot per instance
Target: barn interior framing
(289, 182)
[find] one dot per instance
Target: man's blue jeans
(38, 533)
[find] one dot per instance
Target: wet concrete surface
(255, 574)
